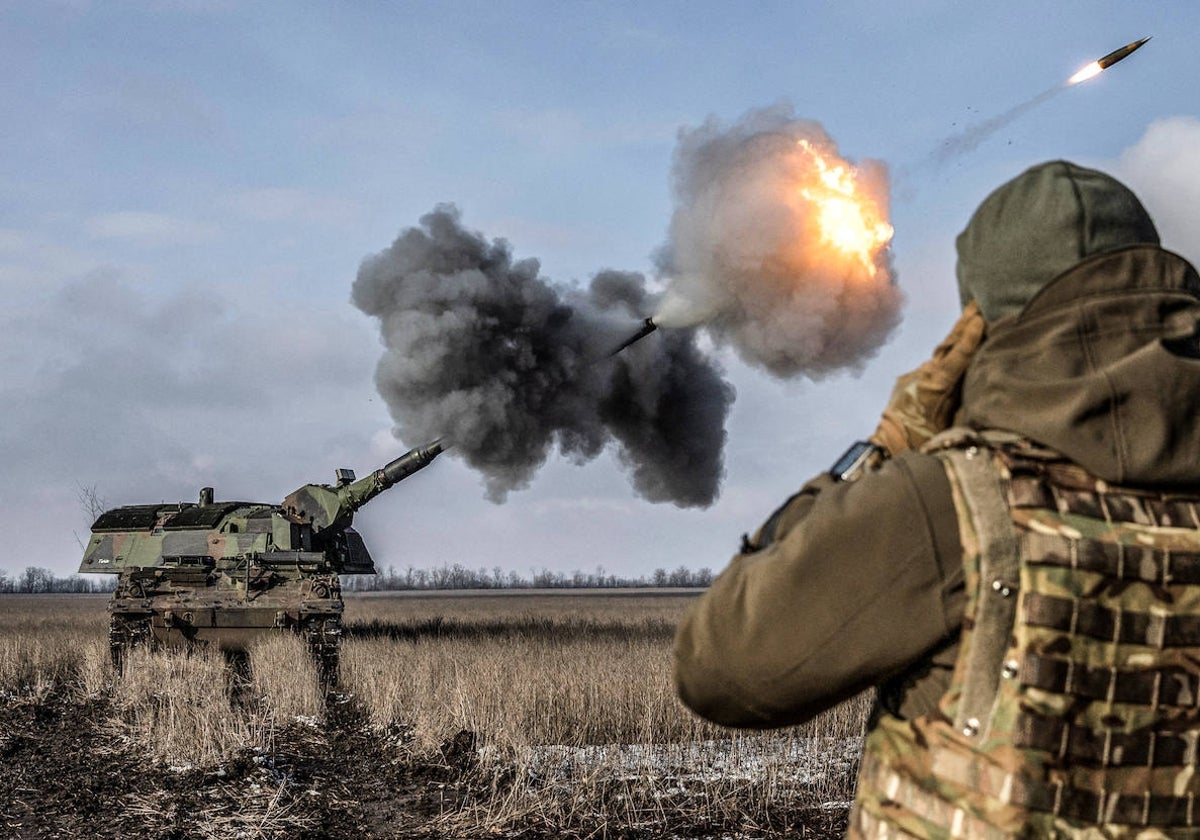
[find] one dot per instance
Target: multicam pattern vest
(1074, 709)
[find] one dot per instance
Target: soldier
(1014, 558)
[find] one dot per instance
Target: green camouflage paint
(224, 572)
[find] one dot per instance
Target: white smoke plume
(748, 255)
(508, 367)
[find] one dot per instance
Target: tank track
(125, 633)
(324, 638)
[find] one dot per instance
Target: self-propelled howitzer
(225, 573)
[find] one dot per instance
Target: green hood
(1039, 224)
(1102, 366)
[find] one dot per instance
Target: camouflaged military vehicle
(224, 573)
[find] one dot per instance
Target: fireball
(850, 222)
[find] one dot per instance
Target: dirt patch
(68, 774)
(61, 778)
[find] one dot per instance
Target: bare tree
(92, 501)
(93, 505)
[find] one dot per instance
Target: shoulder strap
(981, 485)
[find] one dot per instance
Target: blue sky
(187, 190)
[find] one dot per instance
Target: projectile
(1099, 65)
(648, 326)
(1116, 55)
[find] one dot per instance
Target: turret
(322, 506)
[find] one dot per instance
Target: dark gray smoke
(747, 254)
(482, 350)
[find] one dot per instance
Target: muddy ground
(65, 776)
(66, 772)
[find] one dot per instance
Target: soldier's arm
(856, 582)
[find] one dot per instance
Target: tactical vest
(1074, 707)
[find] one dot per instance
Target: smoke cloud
(509, 368)
(777, 248)
(748, 256)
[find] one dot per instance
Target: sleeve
(860, 580)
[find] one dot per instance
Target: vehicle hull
(179, 608)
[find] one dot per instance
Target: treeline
(458, 576)
(38, 580)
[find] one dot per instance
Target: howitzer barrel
(648, 326)
(323, 506)
(355, 495)
(410, 462)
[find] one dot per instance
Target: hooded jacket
(861, 583)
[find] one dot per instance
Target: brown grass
(575, 722)
(565, 694)
(52, 642)
(177, 705)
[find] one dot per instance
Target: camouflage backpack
(1074, 709)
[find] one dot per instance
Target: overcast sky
(187, 190)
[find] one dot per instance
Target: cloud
(29, 258)
(12, 241)
(150, 395)
(1163, 168)
(290, 205)
(152, 229)
(194, 349)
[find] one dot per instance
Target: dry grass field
(514, 715)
